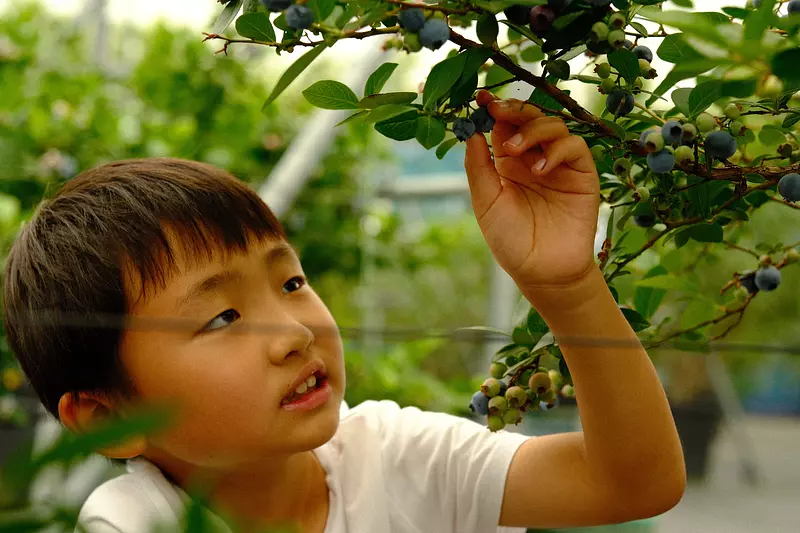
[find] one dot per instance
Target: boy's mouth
(312, 383)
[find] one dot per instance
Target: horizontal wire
(75, 320)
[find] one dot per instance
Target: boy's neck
(278, 491)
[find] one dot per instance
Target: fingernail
(540, 164)
(516, 140)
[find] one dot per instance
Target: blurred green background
(422, 265)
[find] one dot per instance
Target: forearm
(629, 433)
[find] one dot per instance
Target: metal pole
(312, 142)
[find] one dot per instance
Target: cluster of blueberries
(298, 16)
(793, 6)
(504, 405)
(431, 33)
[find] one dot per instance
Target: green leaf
(464, 88)
(377, 100)
(497, 74)
(489, 329)
(771, 135)
(703, 95)
(626, 63)
(667, 282)
(255, 26)
(402, 127)
(619, 131)
(442, 77)
(680, 97)
(445, 147)
(698, 311)
(294, 70)
(329, 94)
(532, 54)
(791, 119)
(683, 71)
(353, 117)
(784, 64)
(637, 321)
(378, 79)
(674, 49)
(487, 29)
(536, 326)
(430, 131)
(386, 112)
(520, 335)
(706, 233)
(226, 17)
(647, 299)
(322, 8)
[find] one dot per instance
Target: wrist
(568, 297)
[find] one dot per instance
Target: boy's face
(252, 336)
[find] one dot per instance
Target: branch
(429, 7)
(741, 249)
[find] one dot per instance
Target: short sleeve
(446, 473)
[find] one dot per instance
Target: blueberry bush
(678, 166)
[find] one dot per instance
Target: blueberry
(497, 370)
(733, 111)
(706, 123)
(643, 52)
(540, 383)
(617, 21)
(599, 32)
(463, 128)
(484, 122)
(616, 38)
(491, 387)
(794, 7)
(737, 128)
(622, 166)
(645, 133)
(495, 423)
(654, 142)
(277, 6)
(749, 283)
(411, 42)
(789, 187)
(517, 14)
(498, 405)
(434, 34)
(768, 278)
(689, 133)
(503, 388)
(644, 220)
(479, 404)
(299, 17)
(516, 397)
(620, 103)
(720, 145)
(412, 19)
(541, 18)
(558, 5)
(661, 162)
(512, 416)
(684, 155)
(672, 132)
(603, 70)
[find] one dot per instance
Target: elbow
(660, 495)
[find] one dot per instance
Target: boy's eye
(228, 315)
(297, 279)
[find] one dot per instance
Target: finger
(482, 176)
(484, 97)
(512, 110)
(571, 150)
(501, 132)
(534, 133)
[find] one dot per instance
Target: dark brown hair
(64, 272)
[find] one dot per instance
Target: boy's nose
(288, 337)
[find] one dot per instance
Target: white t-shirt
(388, 470)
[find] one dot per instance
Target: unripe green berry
(684, 155)
(689, 132)
(617, 21)
(491, 387)
(645, 70)
(495, 423)
(737, 129)
(654, 142)
(525, 377)
(512, 416)
(785, 150)
(555, 378)
(540, 382)
(603, 70)
(622, 166)
(411, 42)
(498, 404)
(607, 86)
(793, 255)
(511, 360)
(599, 32)
(497, 370)
(643, 193)
(765, 260)
(548, 396)
(568, 391)
(638, 83)
(516, 396)
(598, 152)
(706, 123)
(616, 38)
(733, 111)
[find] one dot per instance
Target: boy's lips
(313, 368)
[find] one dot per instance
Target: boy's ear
(83, 413)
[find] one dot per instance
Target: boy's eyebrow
(196, 292)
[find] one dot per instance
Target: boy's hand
(540, 223)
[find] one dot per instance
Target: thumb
(484, 181)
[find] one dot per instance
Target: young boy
(253, 364)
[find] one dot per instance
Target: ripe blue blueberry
(789, 187)
(276, 6)
(672, 132)
(620, 103)
(749, 283)
(541, 19)
(720, 145)
(644, 220)
(768, 278)
(484, 122)
(643, 52)
(661, 162)
(644, 134)
(479, 404)
(434, 34)
(794, 7)
(412, 19)
(517, 14)
(463, 128)
(299, 17)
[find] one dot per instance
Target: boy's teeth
(302, 388)
(311, 381)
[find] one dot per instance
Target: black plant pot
(698, 424)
